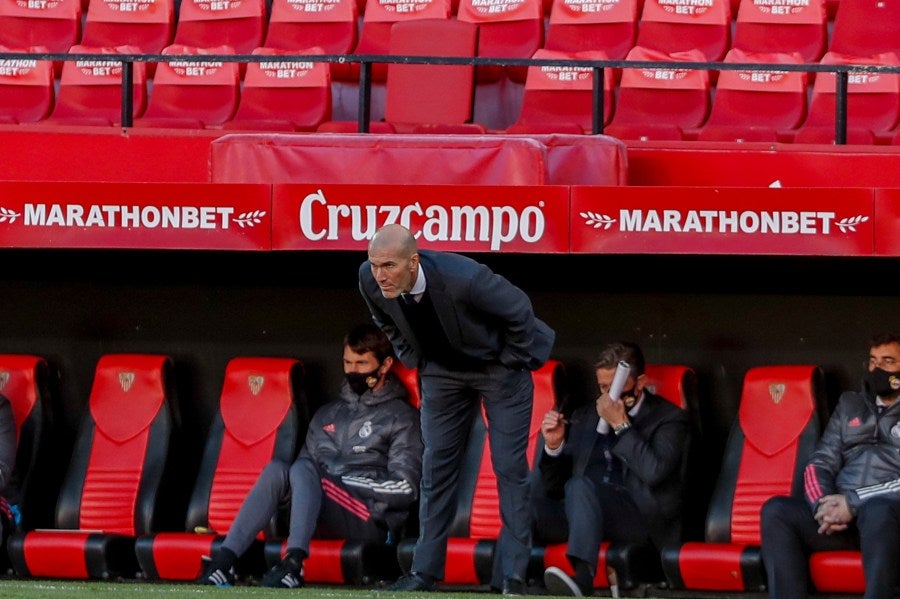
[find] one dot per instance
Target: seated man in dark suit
(614, 471)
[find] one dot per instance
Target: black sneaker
(286, 574)
(412, 582)
(213, 575)
(560, 583)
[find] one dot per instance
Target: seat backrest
(26, 87)
(675, 382)
(676, 97)
(208, 23)
(512, 30)
(866, 27)
(90, 91)
(119, 460)
(262, 415)
(284, 95)
(148, 25)
(780, 417)
(293, 25)
(676, 27)
(802, 27)
(563, 96)
(774, 99)
(431, 94)
(201, 90)
(873, 99)
(24, 382)
(609, 27)
(55, 25)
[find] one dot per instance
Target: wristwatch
(621, 428)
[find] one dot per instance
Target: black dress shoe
(514, 586)
(412, 582)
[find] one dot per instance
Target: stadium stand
(757, 105)
(873, 103)
(261, 416)
(421, 96)
(27, 91)
(607, 27)
(866, 27)
(560, 99)
(344, 561)
(624, 566)
(672, 27)
(283, 95)
(663, 103)
(210, 23)
(473, 534)
(192, 94)
(780, 416)
(148, 25)
(764, 27)
(118, 468)
(90, 91)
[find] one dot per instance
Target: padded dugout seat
(261, 416)
(27, 91)
(757, 105)
(192, 94)
(346, 561)
(561, 99)
(119, 467)
(661, 104)
(780, 417)
(90, 91)
(24, 381)
(281, 95)
(629, 564)
(476, 527)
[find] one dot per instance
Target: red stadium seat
(284, 96)
(757, 105)
(610, 27)
(780, 417)
(764, 27)
(629, 564)
(118, 478)
(345, 561)
(27, 89)
(866, 27)
(148, 25)
(421, 94)
(662, 103)
(675, 27)
(873, 103)
(192, 93)
(510, 30)
(261, 416)
(90, 91)
(476, 527)
(55, 25)
(561, 99)
(210, 23)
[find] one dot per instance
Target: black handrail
(366, 61)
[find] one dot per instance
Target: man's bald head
(394, 239)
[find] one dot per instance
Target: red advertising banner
(466, 218)
(135, 215)
(697, 220)
(887, 223)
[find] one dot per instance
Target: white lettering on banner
(139, 217)
(495, 225)
(16, 67)
(781, 222)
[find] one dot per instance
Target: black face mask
(882, 383)
(361, 382)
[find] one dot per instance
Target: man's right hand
(553, 427)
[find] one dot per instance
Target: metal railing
(842, 72)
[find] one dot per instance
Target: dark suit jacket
(653, 453)
(484, 315)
